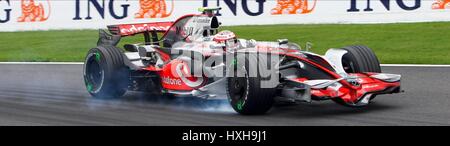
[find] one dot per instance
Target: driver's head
(227, 37)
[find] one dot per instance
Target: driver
(227, 38)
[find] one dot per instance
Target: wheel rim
(239, 87)
(94, 73)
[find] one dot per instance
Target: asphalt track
(55, 95)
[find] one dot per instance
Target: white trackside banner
(20, 15)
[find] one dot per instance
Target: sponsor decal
(204, 20)
(170, 81)
(100, 7)
(233, 4)
(153, 9)
(147, 9)
(293, 7)
(33, 12)
(441, 4)
(386, 3)
(182, 71)
(130, 29)
(371, 86)
(5, 4)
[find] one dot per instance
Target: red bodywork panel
(348, 92)
(368, 85)
(172, 75)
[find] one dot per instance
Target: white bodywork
(334, 57)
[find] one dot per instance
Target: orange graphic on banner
(441, 4)
(153, 9)
(292, 7)
(32, 12)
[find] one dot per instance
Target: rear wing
(132, 29)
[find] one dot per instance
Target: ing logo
(441, 4)
(153, 9)
(6, 9)
(33, 11)
(293, 7)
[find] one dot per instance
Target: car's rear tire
(359, 59)
(105, 74)
(245, 92)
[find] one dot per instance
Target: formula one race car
(192, 57)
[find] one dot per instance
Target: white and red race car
(193, 58)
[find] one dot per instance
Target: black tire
(105, 74)
(245, 92)
(359, 59)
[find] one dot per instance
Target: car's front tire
(359, 59)
(104, 73)
(245, 92)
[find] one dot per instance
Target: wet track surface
(55, 95)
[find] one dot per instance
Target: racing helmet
(227, 38)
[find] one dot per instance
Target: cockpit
(191, 28)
